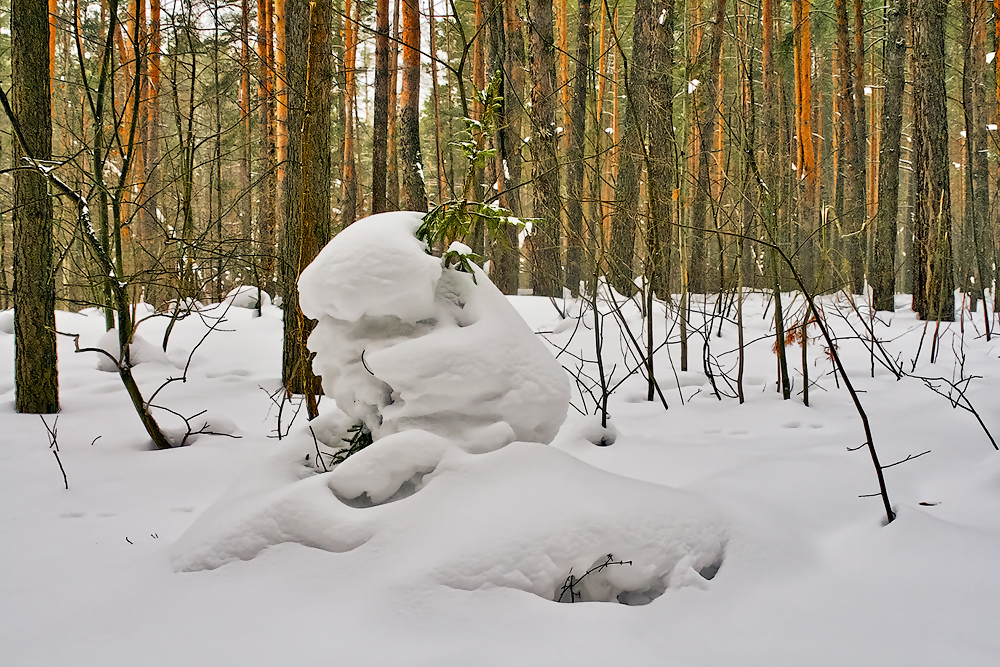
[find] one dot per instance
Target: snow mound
(247, 296)
(527, 516)
(402, 343)
(7, 321)
(140, 351)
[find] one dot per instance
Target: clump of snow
(525, 517)
(7, 321)
(589, 428)
(247, 296)
(402, 343)
(140, 351)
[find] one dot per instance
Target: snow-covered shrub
(403, 343)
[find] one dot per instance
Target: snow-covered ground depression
(485, 515)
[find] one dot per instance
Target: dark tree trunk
(380, 129)
(578, 130)
(883, 275)
(851, 159)
(414, 197)
(36, 381)
(546, 272)
(295, 369)
(932, 219)
(977, 170)
(267, 176)
(705, 118)
(631, 152)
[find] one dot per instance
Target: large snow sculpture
(403, 343)
(445, 373)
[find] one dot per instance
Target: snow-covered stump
(459, 486)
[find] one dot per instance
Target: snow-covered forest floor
(809, 574)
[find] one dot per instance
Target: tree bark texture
(883, 275)
(934, 297)
(380, 120)
(295, 360)
(577, 239)
(631, 152)
(414, 197)
(546, 269)
(36, 382)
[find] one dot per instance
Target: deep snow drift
(446, 373)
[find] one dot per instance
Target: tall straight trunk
(851, 195)
(660, 162)
(806, 152)
(281, 92)
(317, 168)
(36, 380)
(392, 169)
(438, 153)
(576, 241)
(243, 212)
(501, 244)
(295, 369)
(414, 197)
(596, 241)
(883, 271)
(267, 177)
(507, 56)
(861, 134)
(215, 216)
(314, 201)
(934, 297)
(349, 178)
(380, 122)
(631, 152)
(514, 84)
(996, 223)
(705, 118)
(151, 232)
(749, 201)
(977, 170)
(546, 271)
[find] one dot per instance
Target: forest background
(673, 148)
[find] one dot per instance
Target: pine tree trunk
(295, 368)
(631, 152)
(577, 126)
(546, 276)
(414, 197)
(380, 121)
(883, 272)
(704, 120)
(349, 200)
(977, 205)
(934, 297)
(36, 381)
(392, 170)
(243, 212)
(267, 176)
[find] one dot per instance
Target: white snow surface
(523, 517)
(403, 344)
(809, 573)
